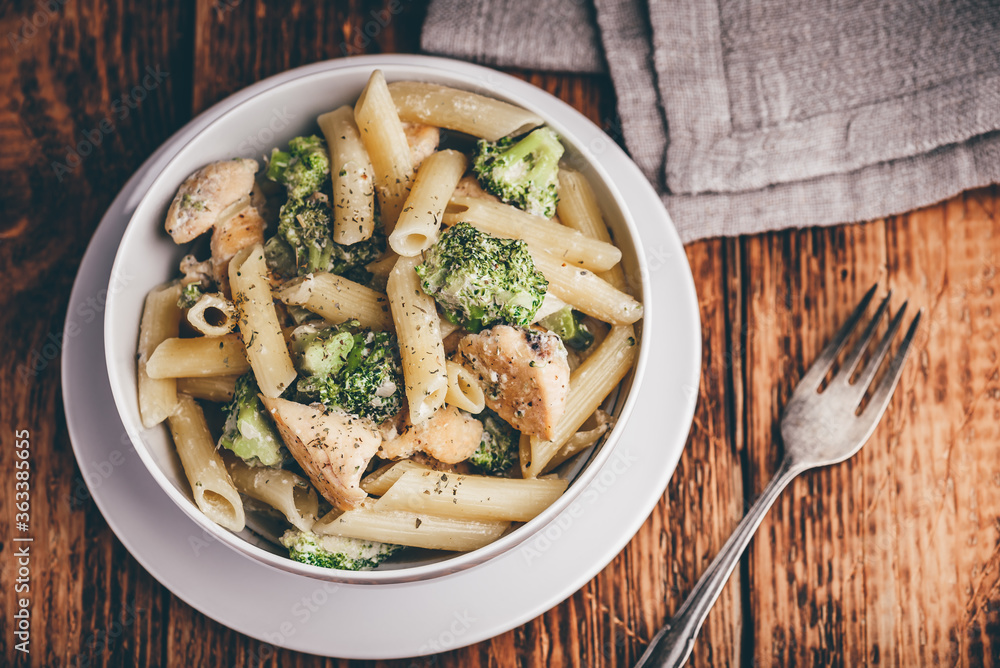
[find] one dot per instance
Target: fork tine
(883, 393)
(814, 376)
(851, 363)
(868, 373)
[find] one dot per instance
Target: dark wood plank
(81, 112)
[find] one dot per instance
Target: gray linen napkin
(754, 115)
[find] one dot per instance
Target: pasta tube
(212, 488)
(290, 494)
(578, 209)
(460, 110)
(351, 175)
(420, 219)
(413, 529)
(418, 328)
(160, 320)
(464, 391)
(338, 299)
(200, 356)
(585, 291)
(218, 389)
(589, 386)
(383, 137)
(471, 497)
(259, 326)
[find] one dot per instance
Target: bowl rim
(503, 87)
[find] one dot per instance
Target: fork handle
(672, 645)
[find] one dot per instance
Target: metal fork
(818, 428)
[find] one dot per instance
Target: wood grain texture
(891, 558)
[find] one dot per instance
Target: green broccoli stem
(541, 148)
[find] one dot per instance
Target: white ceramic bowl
(148, 257)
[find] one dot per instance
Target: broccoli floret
(522, 172)
(498, 449)
(304, 245)
(280, 257)
(303, 168)
(322, 352)
(369, 384)
(346, 554)
(249, 431)
(481, 280)
(190, 295)
(566, 323)
(305, 227)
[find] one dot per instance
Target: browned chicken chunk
(524, 373)
(205, 195)
(448, 436)
(231, 236)
(423, 140)
(332, 447)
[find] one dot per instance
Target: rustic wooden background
(892, 558)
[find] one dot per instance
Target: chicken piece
(525, 374)
(423, 140)
(206, 194)
(196, 271)
(448, 436)
(232, 235)
(332, 447)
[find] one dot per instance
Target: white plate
(417, 618)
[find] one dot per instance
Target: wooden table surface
(891, 558)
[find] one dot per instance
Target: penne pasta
(420, 220)
(578, 209)
(218, 389)
(211, 486)
(378, 482)
(412, 529)
(338, 299)
(200, 356)
(160, 320)
(576, 444)
(464, 391)
(471, 497)
(258, 320)
(460, 110)
(418, 328)
(389, 181)
(383, 136)
(589, 386)
(585, 291)
(541, 234)
(212, 315)
(351, 175)
(290, 494)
